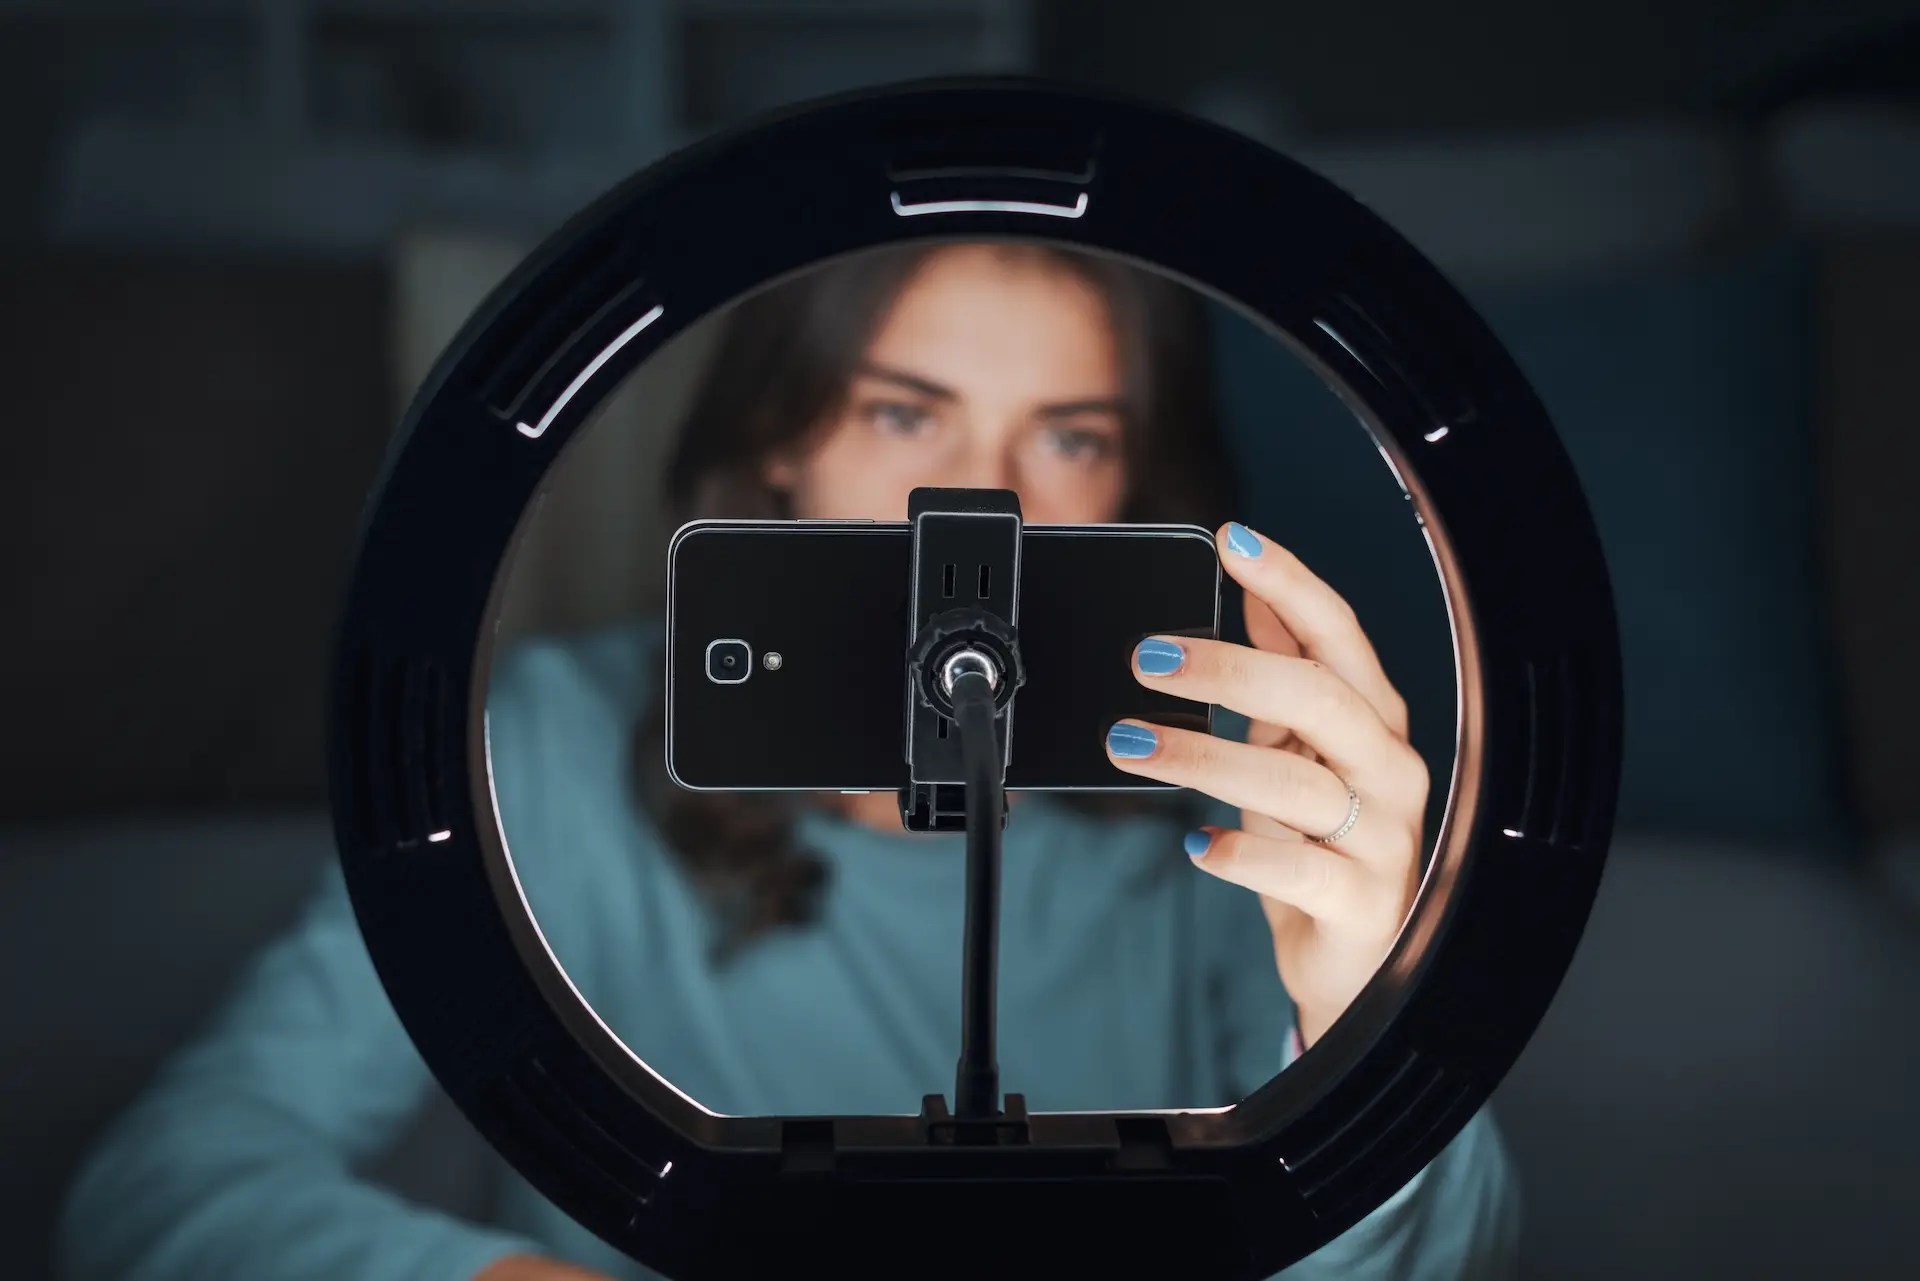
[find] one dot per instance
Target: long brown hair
(783, 365)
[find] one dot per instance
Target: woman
(779, 958)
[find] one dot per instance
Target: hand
(531, 1267)
(1324, 717)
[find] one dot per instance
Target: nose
(988, 467)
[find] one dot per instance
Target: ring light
(1235, 1192)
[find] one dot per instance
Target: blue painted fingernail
(1132, 742)
(1197, 842)
(1158, 657)
(1242, 540)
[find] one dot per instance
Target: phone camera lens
(729, 662)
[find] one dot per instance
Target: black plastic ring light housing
(1235, 1192)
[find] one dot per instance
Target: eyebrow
(1067, 409)
(904, 379)
(933, 390)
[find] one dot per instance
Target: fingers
(1264, 627)
(1316, 618)
(1312, 878)
(1290, 789)
(1268, 633)
(1326, 713)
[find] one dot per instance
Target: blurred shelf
(1848, 166)
(466, 11)
(1557, 203)
(297, 125)
(147, 185)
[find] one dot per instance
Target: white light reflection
(580, 379)
(520, 890)
(441, 836)
(1438, 433)
(1330, 332)
(1074, 210)
(1508, 831)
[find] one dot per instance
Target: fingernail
(1132, 742)
(1197, 842)
(1158, 657)
(1242, 540)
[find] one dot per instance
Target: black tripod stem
(963, 665)
(976, 1092)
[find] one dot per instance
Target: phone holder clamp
(965, 597)
(962, 640)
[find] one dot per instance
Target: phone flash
(771, 661)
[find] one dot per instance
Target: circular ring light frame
(1233, 1192)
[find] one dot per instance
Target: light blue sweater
(1128, 980)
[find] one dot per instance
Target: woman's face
(994, 369)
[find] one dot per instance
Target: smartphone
(787, 642)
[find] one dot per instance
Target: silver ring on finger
(1353, 816)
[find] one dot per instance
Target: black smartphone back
(786, 650)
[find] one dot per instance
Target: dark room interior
(235, 232)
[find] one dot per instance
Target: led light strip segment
(905, 210)
(593, 367)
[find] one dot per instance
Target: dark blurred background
(233, 234)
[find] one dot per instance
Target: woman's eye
(1079, 443)
(899, 418)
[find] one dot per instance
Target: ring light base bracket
(1008, 1127)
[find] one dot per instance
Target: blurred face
(995, 369)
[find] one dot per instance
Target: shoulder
(607, 675)
(562, 715)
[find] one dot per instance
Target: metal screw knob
(962, 661)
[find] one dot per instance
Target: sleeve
(1254, 1019)
(1458, 1218)
(237, 1164)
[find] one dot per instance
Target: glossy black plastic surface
(1237, 1193)
(966, 575)
(831, 600)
